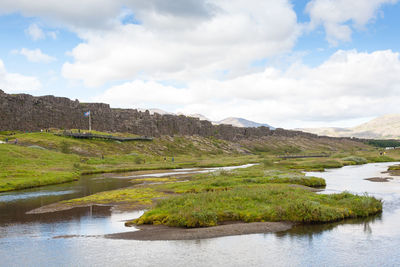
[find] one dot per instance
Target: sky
(291, 64)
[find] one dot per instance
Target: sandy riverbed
(162, 232)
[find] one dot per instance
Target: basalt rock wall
(29, 113)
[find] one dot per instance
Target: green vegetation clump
(256, 204)
(356, 160)
(394, 168)
(380, 159)
(267, 163)
(65, 147)
(317, 165)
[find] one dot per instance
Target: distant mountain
(155, 110)
(199, 116)
(240, 122)
(328, 131)
(384, 127)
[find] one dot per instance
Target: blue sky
(287, 63)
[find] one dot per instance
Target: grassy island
(261, 203)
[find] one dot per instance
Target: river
(72, 238)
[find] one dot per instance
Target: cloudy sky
(299, 63)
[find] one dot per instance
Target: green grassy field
(42, 158)
(24, 167)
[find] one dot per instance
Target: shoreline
(167, 233)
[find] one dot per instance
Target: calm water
(35, 241)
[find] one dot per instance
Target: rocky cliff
(29, 113)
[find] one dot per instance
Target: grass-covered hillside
(42, 158)
(22, 167)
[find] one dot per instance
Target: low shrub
(356, 160)
(380, 159)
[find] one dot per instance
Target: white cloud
(74, 13)
(348, 85)
(35, 32)
(99, 14)
(146, 94)
(52, 34)
(340, 17)
(35, 55)
(15, 82)
(170, 47)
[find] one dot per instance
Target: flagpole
(90, 123)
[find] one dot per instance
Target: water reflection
(311, 230)
(14, 205)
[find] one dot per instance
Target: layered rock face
(28, 113)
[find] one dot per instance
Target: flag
(87, 114)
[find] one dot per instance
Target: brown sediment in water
(55, 207)
(162, 232)
(379, 179)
